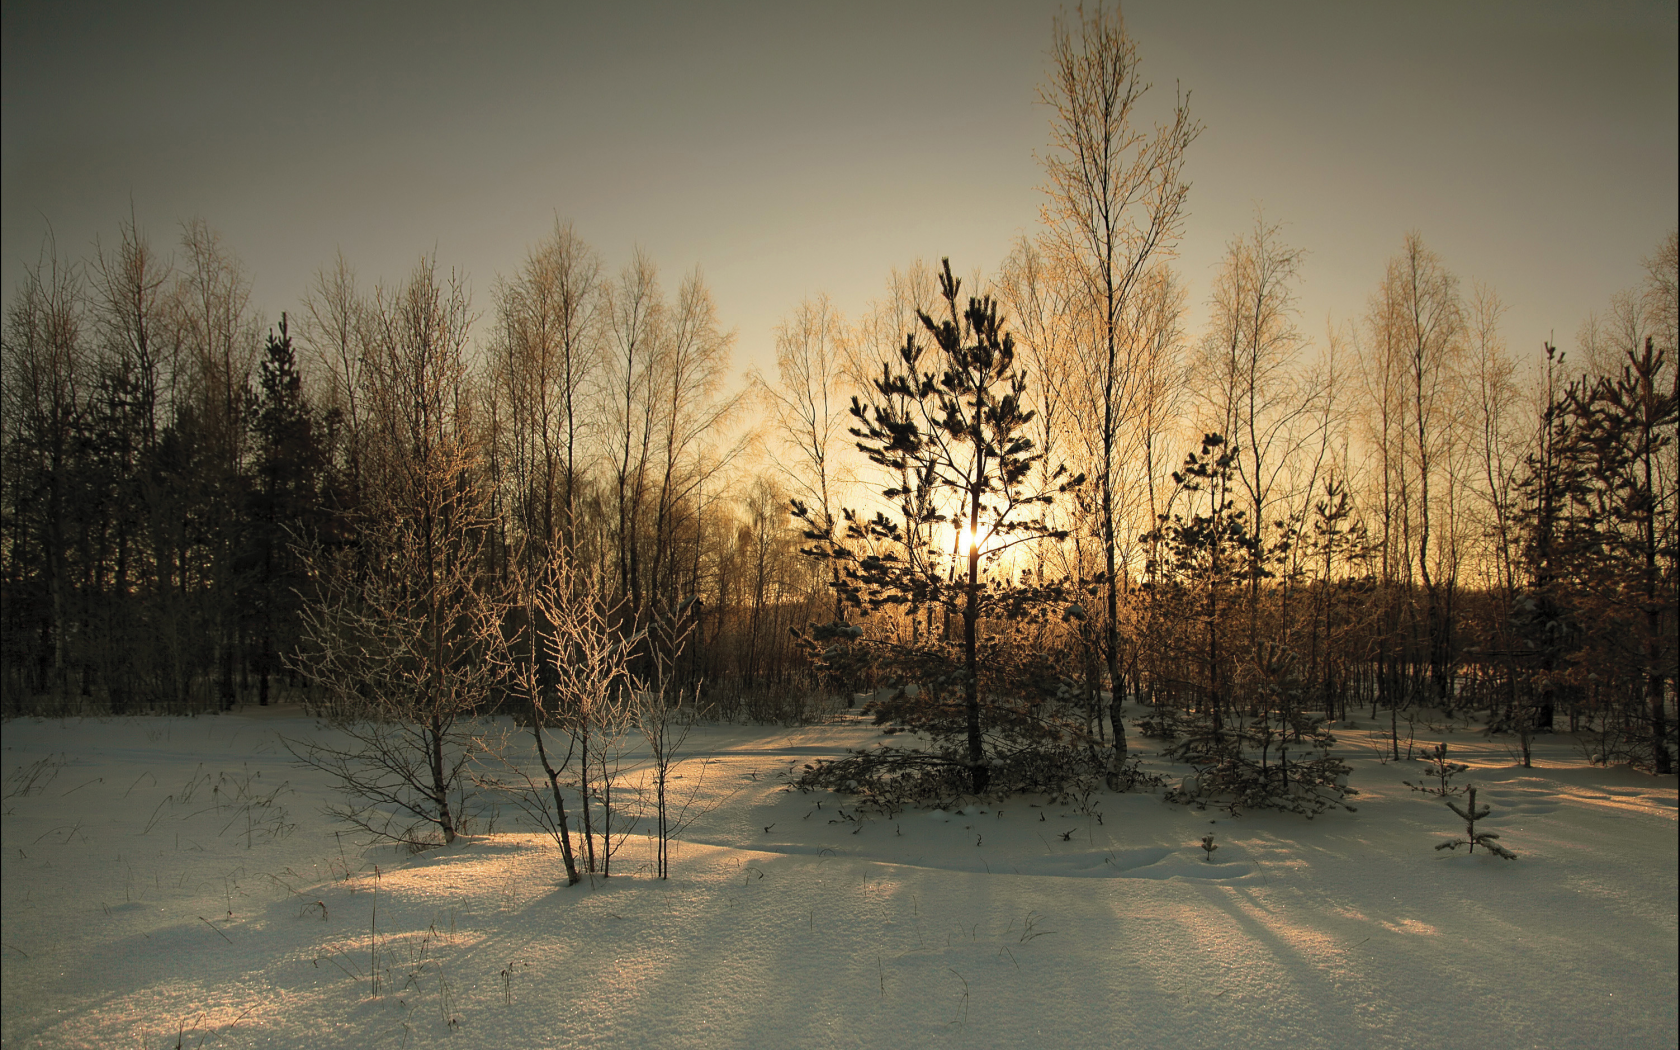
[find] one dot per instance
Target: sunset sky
(790, 149)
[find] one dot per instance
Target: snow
(174, 880)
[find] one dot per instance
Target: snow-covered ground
(173, 881)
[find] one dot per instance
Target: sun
(966, 540)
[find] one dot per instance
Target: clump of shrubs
(1261, 765)
(1037, 739)
(886, 779)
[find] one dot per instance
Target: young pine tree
(949, 425)
(1470, 813)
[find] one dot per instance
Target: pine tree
(1601, 549)
(1442, 770)
(1470, 813)
(951, 423)
(284, 503)
(1625, 425)
(1206, 554)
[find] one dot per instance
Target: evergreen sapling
(1470, 813)
(1442, 770)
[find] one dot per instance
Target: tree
(1470, 812)
(1600, 520)
(336, 327)
(1043, 319)
(1417, 334)
(689, 375)
(1337, 540)
(1497, 437)
(580, 689)
(218, 345)
(808, 416)
(1205, 551)
(1116, 203)
(284, 502)
(547, 349)
(402, 657)
(637, 326)
(1552, 488)
(957, 424)
(1624, 426)
(397, 634)
(764, 548)
(657, 703)
(141, 369)
(41, 415)
(911, 292)
(1249, 357)
(1659, 301)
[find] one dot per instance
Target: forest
(990, 504)
(1083, 640)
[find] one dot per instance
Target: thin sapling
(1208, 847)
(1442, 770)
(1470, 813)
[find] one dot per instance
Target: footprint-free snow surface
(172, 881)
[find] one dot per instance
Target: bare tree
(547, 348)
(397, 640)
(1417, 332)
(580, 689)
(218, 334)
(636, 319)
(658, 710)
(149, 635)
(589, 656)
(1037, 303)
(911, 292)
(336, 326)
(1116, 203)
(809, 417)
(1660, 300)
(690, 373)
(218, 346)
(402, 664)
(1501, 430)
(41, 401)
(1249, 359)
(130, 287)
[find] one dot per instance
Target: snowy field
(174, 882)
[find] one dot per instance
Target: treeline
(184, 494)
(1404, 515)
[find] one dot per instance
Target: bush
(1234, 769)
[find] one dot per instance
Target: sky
(794, 149)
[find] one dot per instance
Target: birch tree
(809, 418)
(1116, 205)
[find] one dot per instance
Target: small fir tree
(1442, 770)
(1470, 813)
